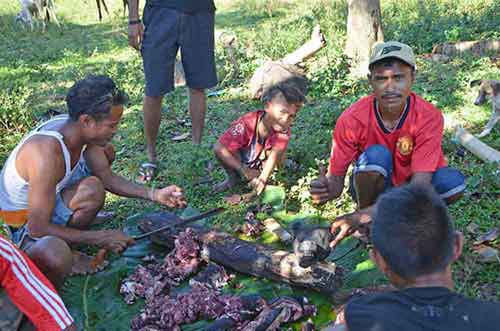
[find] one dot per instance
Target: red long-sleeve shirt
(30, 290)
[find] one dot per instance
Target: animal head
(486, 88)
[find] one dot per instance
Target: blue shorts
(446, 181)
(61, 213)
(167, 30)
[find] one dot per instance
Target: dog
(36, 9)
(488, 88)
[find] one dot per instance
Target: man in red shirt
(256, 142)
(393, 136)
(31, 293)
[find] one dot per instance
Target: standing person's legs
(197, 109)
(198, 60)
(159, 50)
(152, 116)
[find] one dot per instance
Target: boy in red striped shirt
(30, 291)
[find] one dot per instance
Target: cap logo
(389, 49)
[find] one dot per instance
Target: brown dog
(488, 88)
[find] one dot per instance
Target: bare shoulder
(41, 145)
(43, 153)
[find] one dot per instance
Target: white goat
(42, 10)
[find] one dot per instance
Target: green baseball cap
(394, 49)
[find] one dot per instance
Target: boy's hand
(345, 225)
(170, 196)
(342, 227)
(248, 173)
(258, 185)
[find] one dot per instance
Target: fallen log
(475, 47)
(476, 146)
(250, 258)
(286, 70)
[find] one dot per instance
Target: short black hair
(412, 230)
(293, 93)
(94, 95)
(389, 62)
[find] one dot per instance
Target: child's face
(281, 114)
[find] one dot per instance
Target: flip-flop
(103, 216)
(147, 172)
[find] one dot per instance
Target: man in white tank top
(56, 178)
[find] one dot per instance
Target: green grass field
(37, 68)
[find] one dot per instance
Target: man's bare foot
(225, 185)
(84, 264)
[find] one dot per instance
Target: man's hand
(135, 35)
(113, 240)
(170, 196)
(320, 191)
(258, 184)
(325, 188)
(320, 188)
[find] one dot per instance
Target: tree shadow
(236, 19)
(23, 47)
(432, 22)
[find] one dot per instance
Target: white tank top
(13, 188)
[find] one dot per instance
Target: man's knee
(376, 158)
(91, 191)
(378, 154)
(52, 255)
(449, 183)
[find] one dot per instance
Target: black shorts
(167, 30)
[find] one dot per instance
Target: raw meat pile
(154, 280)
(204, 299)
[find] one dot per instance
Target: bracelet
(133, 22)
(151, 194)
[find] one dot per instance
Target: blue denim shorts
(61, 213)
(166, 31)
(447, 181)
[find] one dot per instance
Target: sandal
(147, 172)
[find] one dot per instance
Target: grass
(37, 68)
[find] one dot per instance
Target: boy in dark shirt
(256, 142)
(414, 245)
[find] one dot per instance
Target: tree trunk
(250, 258)
(364, 29)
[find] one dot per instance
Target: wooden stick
(307, 50)
(476, 146)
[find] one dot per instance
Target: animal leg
(125, 6)
(99, 9)
(51, 12)
(490, 125)
(105, 7)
